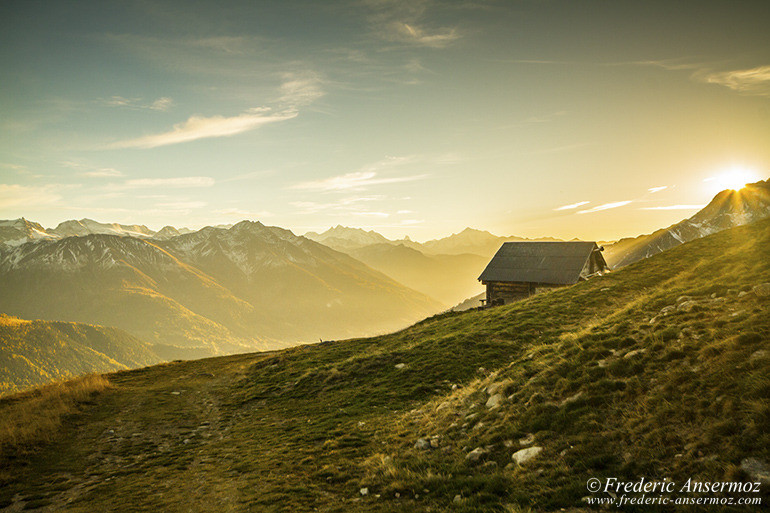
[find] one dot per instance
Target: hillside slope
(659, 370)
(37, 352)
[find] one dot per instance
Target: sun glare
(734, 178)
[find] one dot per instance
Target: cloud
(91, 171)
(185, 205)
(198, 127)
(412, 33)
(163, 103)
(180, 182)
(573, 205)
(653, 190)
(359, 180)
(300, 89)
(675, 207)
(605, 206)
(753, 81)
(342, 206)
(402, 21)
(13, 195)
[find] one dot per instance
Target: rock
(443, 406)
(602, 363)
(496, 388)
(713, 295)
(527, 440)
(682, 299)
(757, 469)
(718, 301)
(668, 310)
(422, 444)
(605, 289)
(435, 441)
(489, 464)
(743, 293)
(175, 393)
(757, 355)
(476, 454)
(762, 290)
(495, 401)
(482, 370)
(471, 416)
(455, 387)
(458, 499)
(571, 399)
(364, 492)
(400, 366)
(686, 306)
(633, 353)
(508, 443)
(524, 455)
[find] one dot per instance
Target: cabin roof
(558, 263)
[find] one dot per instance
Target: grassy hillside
(36, 352)
(660, 370)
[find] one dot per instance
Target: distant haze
(595, 120)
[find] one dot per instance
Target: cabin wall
(501, 293)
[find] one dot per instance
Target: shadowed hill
(659, 370)
(37, 352)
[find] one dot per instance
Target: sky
(588, 119)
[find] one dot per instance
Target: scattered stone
(687, 306)
(527, 440)
(400, 366)
(762, 290)
(668, 310)
(482, 370)
(364, 491)
(476, 454)
(422, 444)
(524, 455)
(682, 299)
(175, 392)
(495, 401)
(713, 295)
(443, 406)
(756, 469)
(455, 387)
(435, 441)
(633, 353)
(508, 443)
(602, 363)
(743, 293)
(471, 416)
(496, 388)
(489, 464)
(571, 399)
(757, 355)
(458, 499)
(605, 289)
(397, 495)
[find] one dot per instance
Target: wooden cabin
(521, 269)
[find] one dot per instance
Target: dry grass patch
(33, 418)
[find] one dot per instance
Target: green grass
(603, 390)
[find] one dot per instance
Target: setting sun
(734, 178)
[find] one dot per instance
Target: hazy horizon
(558, 119)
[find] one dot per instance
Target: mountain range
(214, 291)
(726, 210)
(18, 231)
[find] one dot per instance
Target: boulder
(495, 401)
(686, 306)
(527, 440)
(757, 469)
(476, 454)
(364, 491)
(524, 455)
(422, 444)
(762, 290)
(400, 366)
(668, 310)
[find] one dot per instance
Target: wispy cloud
(605, 206)
(359, 180)
(675, 207)
(403, 21)
(13, 195)
(753, 81)
(300, 89)
(92, 171)
(179, 182)
(653, 190)
(199, 127)
(184, 205)
(573, 205)
(162, 104)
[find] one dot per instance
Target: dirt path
(156, 440)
